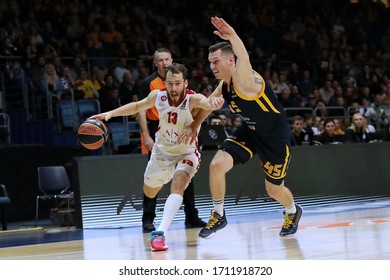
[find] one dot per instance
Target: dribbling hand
(103, 116)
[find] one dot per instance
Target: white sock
(171, 206)
(218, 205)
(292, 209)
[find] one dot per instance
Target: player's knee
(180, 181)
(220, 164)
(151, 192)
(273, 190)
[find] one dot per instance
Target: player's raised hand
(224, 30)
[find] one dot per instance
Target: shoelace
(213, 220)
(288, 221)
(159, 238)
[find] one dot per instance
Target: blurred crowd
(330, 59)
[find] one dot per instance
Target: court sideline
(348, 230)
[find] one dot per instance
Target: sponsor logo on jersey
(183, 105)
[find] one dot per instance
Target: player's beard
(176, 98)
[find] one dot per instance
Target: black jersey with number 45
(263, 113)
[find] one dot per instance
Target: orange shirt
(151, 83)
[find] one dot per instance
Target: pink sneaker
(157, 241)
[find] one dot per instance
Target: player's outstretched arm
(129, 108)
(243, 74)
(207, 105)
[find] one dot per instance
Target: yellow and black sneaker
(215, 223)
(290, 225)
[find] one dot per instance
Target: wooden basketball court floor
(334, 228)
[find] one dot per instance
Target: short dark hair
(160, 50)
(297, 118)
(177, 68)
(223, 46)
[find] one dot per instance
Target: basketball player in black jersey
(264, 129)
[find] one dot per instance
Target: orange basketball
(92, 134)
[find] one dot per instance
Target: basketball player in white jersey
(170, 160)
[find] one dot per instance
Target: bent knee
(221, 163)
(151, 192)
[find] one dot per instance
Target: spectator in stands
(76, 67)
(50, 82)
(98, 76)
(309, 125)
(75, 31)
(364, 77)
(368, 127)
(375, 84)
(283, 82)
(275, 84)
(226, 123)
(120, 69)
(350, 77)
(356, 132)
(236, 122)
(95, 33)
(112, 102)
(324, 64)
(293, 75)
(365, 93)
(326, 92)
(134, 117)
(384, 111)
(367, 111)
(36, 71)
(321, 110)
(67, 30)
(214, 119)
(339, 126)
(17, 74)
(328, 136)
(67, 82)
(8, 48)
(318, 124)
(316, 94)
(295, 101)
(338, 92)
(84, 86)
(96, 53)
(205, 87)
(35, 37)
(386, 136)
(311, 102)
(128, 88)
(58, 64)
(111, 36)
(306, 85)
(300, 135)
(107, 85)
(339, 109)
(30, 54)
(283, 96)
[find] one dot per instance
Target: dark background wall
(327, 170)
(18, 171)
(354, 169)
